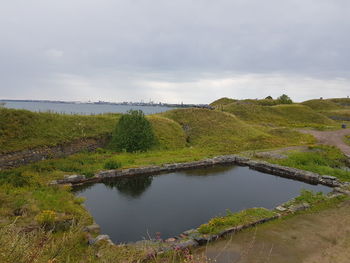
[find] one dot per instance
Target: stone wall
(261, 166)
(18, 158)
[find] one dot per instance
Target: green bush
(284, 99)
(133, 133)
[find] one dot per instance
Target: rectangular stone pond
(136, 208)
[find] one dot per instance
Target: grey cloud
(43, 42)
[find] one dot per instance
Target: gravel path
(335, 138)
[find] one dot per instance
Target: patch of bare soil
(335, 138)
(322, 237)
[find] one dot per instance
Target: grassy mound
(21, 129)
(263, 102)
(214, 129)
(321, 105)
(221, 102)
(292, 115)
(342, 114)
(225, 133)
(341, 101)
(169, 133)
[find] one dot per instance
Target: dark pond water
(136, 208)
(81, 108)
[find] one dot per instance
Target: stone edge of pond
(262, 166)
(192, 238)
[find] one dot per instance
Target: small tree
(268, 98)
(284, 99)
(133, 133)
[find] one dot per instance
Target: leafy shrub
(133, 133)
(112, 164)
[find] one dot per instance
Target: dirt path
(322, 237)
(335, 138)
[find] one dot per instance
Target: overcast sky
(191, 51)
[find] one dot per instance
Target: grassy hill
(222, 101)
(321, 105)
(291, 115)
(341, 101)
(342, 114)
(169, 133)
(226, 133)
(22, 129)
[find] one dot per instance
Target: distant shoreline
(117, 103)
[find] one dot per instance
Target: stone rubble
(94, 229)
(99, 238)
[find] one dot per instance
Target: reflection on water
(208, 171)
(134, 208)
(131, 187)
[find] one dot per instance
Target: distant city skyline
(174, 51)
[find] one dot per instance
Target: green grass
(310, 197)
(221, 102)
(214, 129)
(325, 160)
(321, 105)
(21, 129)
(217, 224)
(292, 115)
(221, 132)
(341, 101)
(342, 114)
(169, 133)
(69, 247)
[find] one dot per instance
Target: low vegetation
(221, 102)
(344, 102)
(21, 129)
(39, 245)
(309, 197)
(169, 133)
(293, 115)
(325, 160)
(268, 101)
(248, 216)
(321, 105)
(221, 132)
(341, 115)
